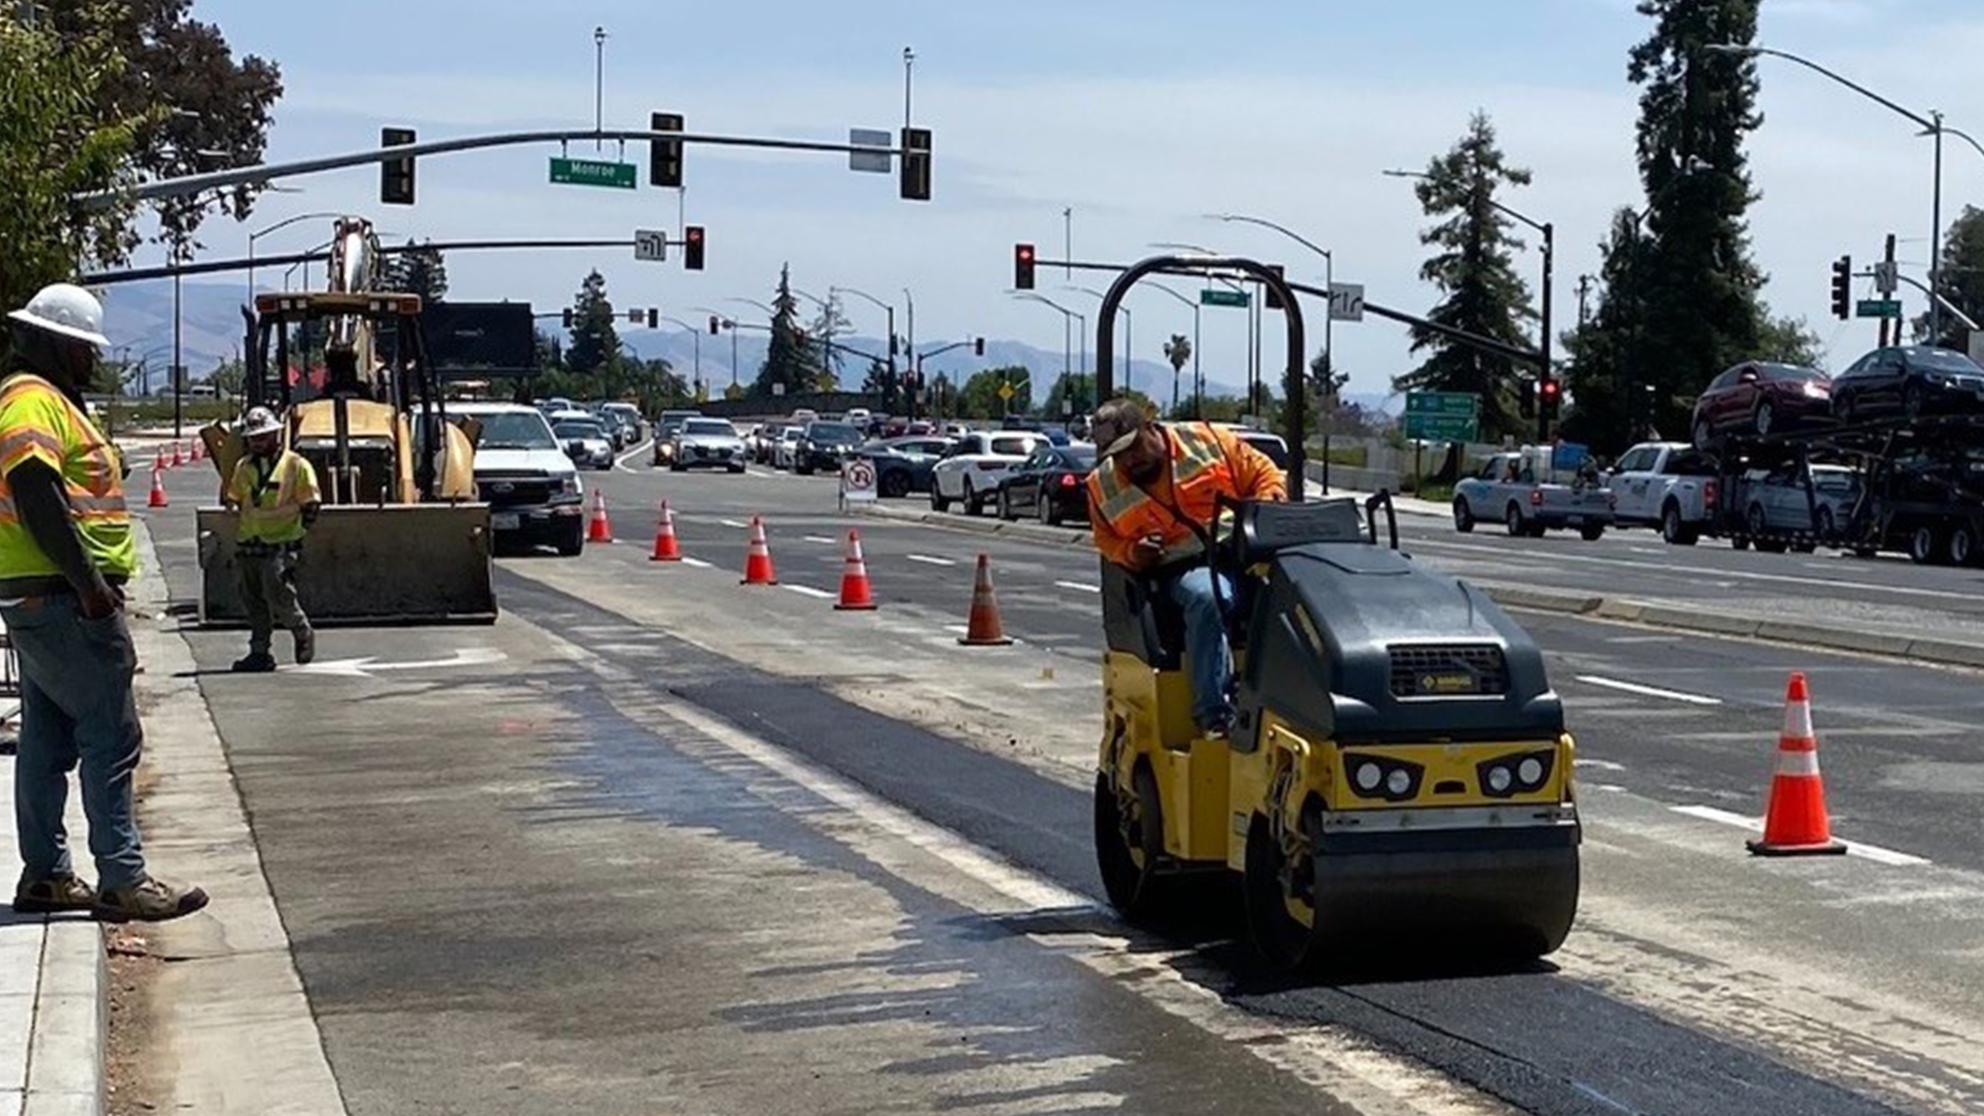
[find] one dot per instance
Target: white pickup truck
(1525, 492)
(1669, 485)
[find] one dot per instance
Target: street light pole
(599, 88)
(283, 224)
(891, 347)
(1128, 385)
(696, 335)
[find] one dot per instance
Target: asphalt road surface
(658, 842)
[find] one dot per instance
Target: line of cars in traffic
(1887, 455)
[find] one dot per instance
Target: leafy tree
(199, 108)
(1475, 273)
(788, 358)
(1080, 386)
(594, 348)
(979, 398)
(419, 270)
(228, 378)
(882, 381)
(1691, 295)
(1222, 408)
(56, 141)
(1960, 279)
(1597, 384)
(1178, 352)
(1789, 341)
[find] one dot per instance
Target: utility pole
(178, 386)
(1549, 370)
(908, 62)
(1068, 239)
(1889, 257)
(599, 88)
(1584, 288)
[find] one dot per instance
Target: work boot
(51, 894)
(306, 644)
(257, 662)
(149, 900)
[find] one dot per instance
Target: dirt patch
(132, 1081)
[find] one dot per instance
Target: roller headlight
(1382, 777)
(1530, 771)
(1369, 776)
(1522, 773)
(1398, 782)
(1499, 779)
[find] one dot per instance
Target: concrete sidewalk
(52, 996)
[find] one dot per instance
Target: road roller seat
(1140, 620)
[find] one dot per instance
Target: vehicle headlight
(569, 486)
(1368, 776)
(1530, 771)
(1815, 391)
(1399, 781)
(1499, 779)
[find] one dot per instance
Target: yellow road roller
(1398, 769)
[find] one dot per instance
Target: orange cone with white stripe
(983, 628)
(157, 498)
(666, 549)
(758, 559)
(178, 455)
(158, 461)
(855, 592)
(1796, 824)
(197, 447)
(599, 529)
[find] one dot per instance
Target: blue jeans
(1206, 653)
(76, 707)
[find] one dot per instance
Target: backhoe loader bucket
(397, 563)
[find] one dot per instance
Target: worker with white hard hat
(66, 552)
(274, 492)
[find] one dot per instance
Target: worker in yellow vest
(1155, 490)
(274, 491)
(66, 552)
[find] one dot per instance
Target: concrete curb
(1941, 652)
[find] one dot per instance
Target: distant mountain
(140, 315)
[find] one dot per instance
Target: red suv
(1762, 398)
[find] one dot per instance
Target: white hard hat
(66, 309)
(259, 421)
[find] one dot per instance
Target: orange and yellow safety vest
(39, 423)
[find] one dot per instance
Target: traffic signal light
(568, 317)
(1269, 298)
(1550, 392)
(916, 164)
(1023, 267)
(978, 346)
(665, 156)
(713, 325)
(1842, 287)
(692, 248)
(654, 316)
(1526, 399)
(396, 175)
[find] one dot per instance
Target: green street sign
(1878, 308)
(1442, 403)
(1213, 296)
(1442, 428)
(592, 172)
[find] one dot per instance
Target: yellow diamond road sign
(1006, 391)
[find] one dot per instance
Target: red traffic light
(1550, 389)
(1023, 267)
(692, 248)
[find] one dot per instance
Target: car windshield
(1942, 360)
(1080, 457)
(1014, 447)
(713, 427)
(1794, 374)
(578, 428)
(514, 430)
(833, 433)
(789, 434)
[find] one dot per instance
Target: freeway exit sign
(1213, 296)
(592, 172)
(1878, 308)
(1442, 416)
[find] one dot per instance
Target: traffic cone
(178, 455)
(157, 498)
(982, 628)
(758, 559)
(598, 530)
(666, 549)
(198, 449)
(158, 461)
(1795, 822)
(855, 592)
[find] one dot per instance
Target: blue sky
(1141, 116)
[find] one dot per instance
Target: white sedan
(971, 470)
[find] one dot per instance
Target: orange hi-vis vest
(1200, 474)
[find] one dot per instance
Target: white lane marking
(620, 462)
(1613, 787)
(1647, 691)
(696, 562)
(733, 523)
(1801, 580)
(1875, 853)
(821, 539)
(960, 629)
(1644, 639)
(809, 591)
(929, 560)
(1646, 550)
(1598, 764)
(1079, 587)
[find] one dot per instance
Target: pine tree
(1961, 280)
(788, 360)
(1474, 271)
(594, 347)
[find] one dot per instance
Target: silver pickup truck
(1521, 491)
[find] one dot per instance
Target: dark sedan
(1051, 485)
(1911, 381)
(1758, 397)
(824, 445)
(902, 465)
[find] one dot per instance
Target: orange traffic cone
(758, 559)
(157, 498)
(1795, 823)
(982, 628)
(178, 455)
(666, 549)
(198, 447)
(158, 461)
(599, 530)
(855, 592)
